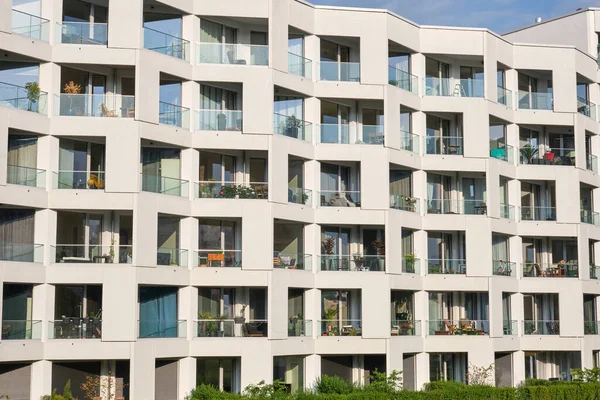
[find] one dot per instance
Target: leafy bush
(334, 385)
(585, 375)
(209, 392)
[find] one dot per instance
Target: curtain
(22, 152)
(16, 235)
(500, 248)
(400, 183)
(329, 177)
(158, 311)
(210, 32)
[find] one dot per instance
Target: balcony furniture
(95, 182)
(261, 192)
(539, 271)
(395, 330)
(466, 323)
(231, 259)
(553, 327)
(76, 260)
(481, 209)
(128, 112)
(500, 154)
(451, 327)
(105, 111)
(163, 258)
(253, 329)
(101, 259)
(504, 269)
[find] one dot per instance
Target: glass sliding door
(17, 308)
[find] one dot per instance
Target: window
(290, 371)
(219, 243)
(22, 160)
(335, 126)
(17, 308)
(168, 241)
(78, 237)
(217, 167)
(16, 234)
(81, 165)
(222, 373)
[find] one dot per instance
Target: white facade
(148, 209)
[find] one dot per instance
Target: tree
(481, 375)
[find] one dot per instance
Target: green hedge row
(434, 391)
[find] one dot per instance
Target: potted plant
(330, 315)
(528, 152)
(359, 261)
(228, 191)
(292, 125)
(328, 245)
(33, 94)
(379, 246)
(71, 88)
(241, 318)
(409, 263)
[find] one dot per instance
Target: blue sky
(498, 15)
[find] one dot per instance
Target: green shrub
(209, 392)
(334, 385)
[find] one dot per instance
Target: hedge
(532, 390)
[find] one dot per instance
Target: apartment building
(228, 192)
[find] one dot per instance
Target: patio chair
(539, 271)
(466, 323)
(451, 327)
(105, 111)
(553, 327)
(251, 330)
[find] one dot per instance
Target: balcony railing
(507, 211)
(216, 327)
(451, 206)
(166, 44)
(30, 25)
(446, 267)
(25, 176)
(69, 32)
(298, 195)
(404, 203)
(219, 327)
(172, 257)
(444, 145)
(337, 133)
(505, 96)
(453, 87)
(82, 180)
(590, 217)
(293, 127)
(219, 120)
(568, 269)
(333, 198)
(94, 105)
(403, 80)
(594, 272)
(372, 134)
(541, 327)
(21, 329)
(504, 268)
(535, 100)
(339, 71)
(546, 156)
(406, 328)
(590, 327)
(173, 114)
(218, 258)
(165, 185)
(509, 328)
(462, 326)
(501, 151)
(341, 327)
(538, 213)
(591, 163)
(75, 328)
(164, 328)
(409, 142)
(356, 262)
(299, 327)
(287, 260)
(14, 96)
(299, 65)
(411, 265)
(586, 108)
(232, 53)
(91, 253)
(231, 190)
(21, 252)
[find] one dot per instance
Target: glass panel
(207, 371)
(68, 302)
(209, 234)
